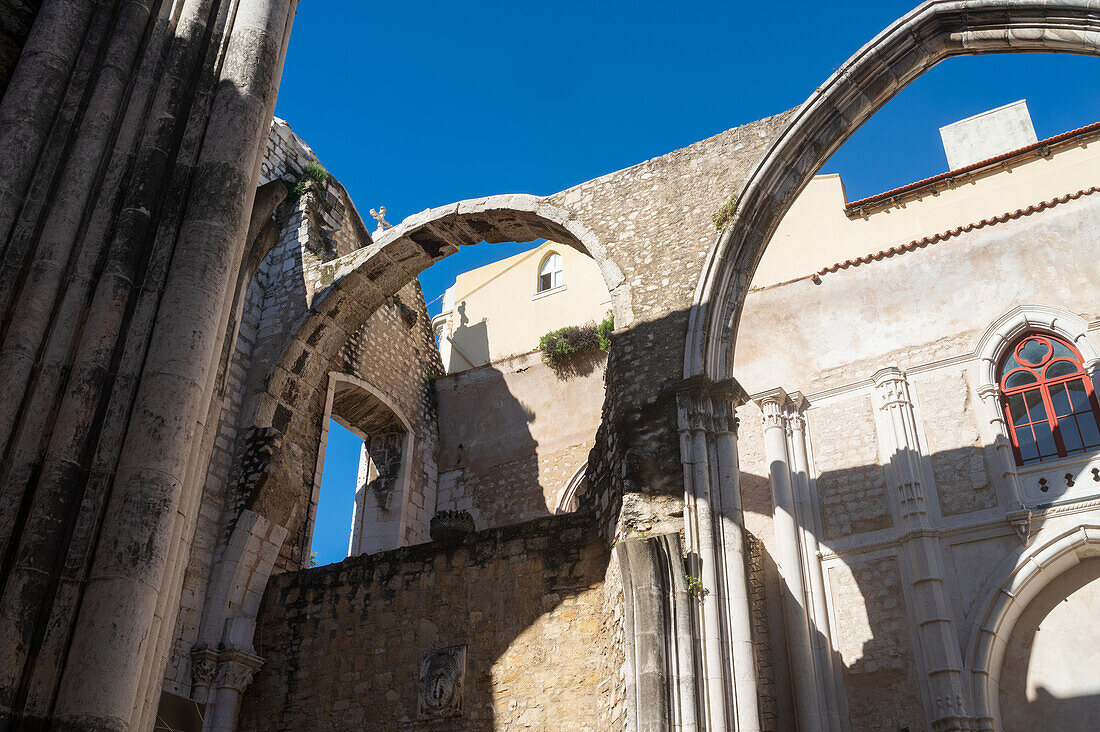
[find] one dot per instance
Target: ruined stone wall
(655, 220)
(344, 642)
(394, 351)
(513, 433)
(923, 311)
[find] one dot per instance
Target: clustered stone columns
(120, 257)
(714, 527)
(805, 614)
(938, 639)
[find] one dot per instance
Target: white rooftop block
(987, 135)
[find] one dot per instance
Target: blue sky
(418, 104)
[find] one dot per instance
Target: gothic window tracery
(1048, 400)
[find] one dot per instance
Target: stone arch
(913, 44)
(294, 400)
(357, 403)
(1005, 598)
(1055, 321)
(574, 488)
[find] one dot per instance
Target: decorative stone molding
(657, 611)
(451, 527)
(204, 662)
(1002, 603)
(236, 668)
(904, 468)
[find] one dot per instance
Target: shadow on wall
(488, 460)
(876, 645)
(516, 615)
(469, 342)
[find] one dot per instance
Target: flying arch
(913, 44)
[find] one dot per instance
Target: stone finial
(380, 217)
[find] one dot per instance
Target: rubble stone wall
(344, 642)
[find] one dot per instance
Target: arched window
(1051, 409)
(550, 272)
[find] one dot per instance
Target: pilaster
(938, 639)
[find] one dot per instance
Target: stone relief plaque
(442, 677)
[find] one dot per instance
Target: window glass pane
(1071, 437)
(1090, 434)
(1078, 396)
(1017, 410)
(1010, 363)
(1045, 439)
(1019, 378)
(1060, 399)
(1035, 407)
(557, 278)
(1026, 442)
(544, 282)
(1060, 368)
(1034, 351)
(1061, 350)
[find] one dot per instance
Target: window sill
(1082, 482)
(547, 293)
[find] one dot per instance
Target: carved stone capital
(204, 662)
(773, 404)
(236, 669)
(892, 387)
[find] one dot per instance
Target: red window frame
(1039, 406)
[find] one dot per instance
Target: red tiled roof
(943, 236)
(1094, 127)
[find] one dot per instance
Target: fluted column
(938, 639)
(809, 529)
(787, 557)
(713, 524)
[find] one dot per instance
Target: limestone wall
(923, 311)
(514, 433)
(393, 351)
(344, 642)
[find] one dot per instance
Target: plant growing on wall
(558, 346)
(603, 331)
(695, 587)
(313, 176)
(724, 215)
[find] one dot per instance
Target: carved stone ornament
(451, 527)
(442, 682)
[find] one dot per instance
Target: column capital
(892, 386)
(729, 389)
(236, 668)
(204, 662)
(773, 403)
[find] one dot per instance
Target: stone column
(788, 548)
(809, 529)
(713, 524)
(938, 639)
(735, 590)
(139, 559)
(235, 671)
(990, 395)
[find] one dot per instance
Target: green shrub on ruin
(723, 216)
